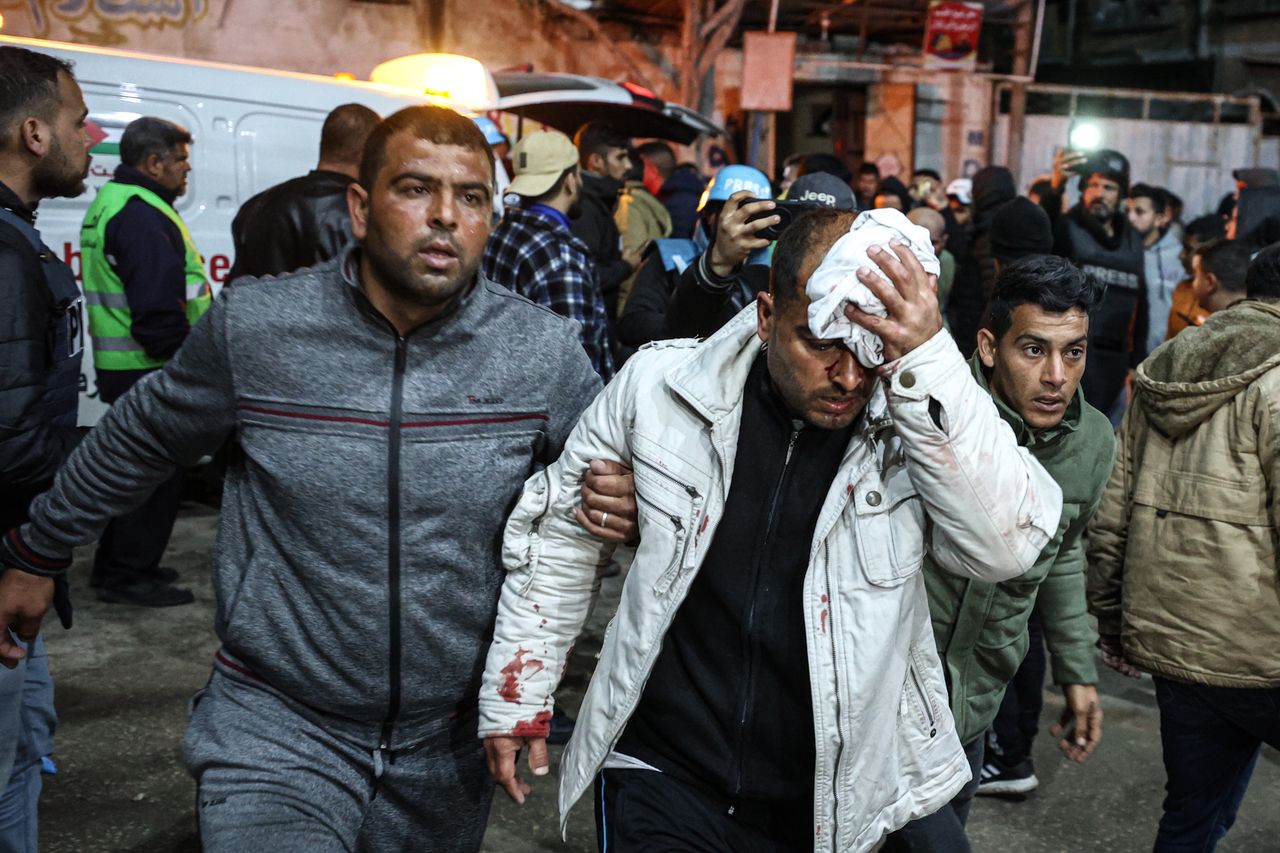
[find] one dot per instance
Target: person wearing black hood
(893, 193)
(1096, 235)
(605, 158)
(993, 186)
(1255, 218)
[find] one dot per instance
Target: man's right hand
(502, 752)
(735, 237)
(24, 599)
(1065, 163)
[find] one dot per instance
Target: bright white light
(444, 78)
(1085, 136)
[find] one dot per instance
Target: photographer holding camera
(690, 288)
(1096, 235)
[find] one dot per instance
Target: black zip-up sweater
(728, 706)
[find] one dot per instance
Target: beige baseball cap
(539, 159)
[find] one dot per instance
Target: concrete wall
(330, 36)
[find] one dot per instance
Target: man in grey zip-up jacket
(387, 408)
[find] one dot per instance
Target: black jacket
(690, 304)
(680, 195)
(993, 187)
(151, 259)
(1118, 325)
(41, 341)
(728, 705)
(595, 227)
(297, 224)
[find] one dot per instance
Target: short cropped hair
(660, 154)
(597, 137)
(345, 131)
(869, 168)
(812, 233)
(1228, 260)
(1053, 283)
(1159, 199)
(927, 173)
(149, 135)
(1262, 281)
(440, 125)
(28, 87)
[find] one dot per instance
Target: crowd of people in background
(392, 264)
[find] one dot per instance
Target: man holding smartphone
(1096, 236)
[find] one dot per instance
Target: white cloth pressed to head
(834, 284)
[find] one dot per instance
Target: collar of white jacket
(834, 284)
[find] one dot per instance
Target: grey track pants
(271, 780)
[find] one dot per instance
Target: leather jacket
(297, 224)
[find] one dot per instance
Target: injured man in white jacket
(770, 680)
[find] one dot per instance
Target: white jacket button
(873, 499)
(907, 380)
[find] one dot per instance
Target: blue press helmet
(489, 128)
(732, 179)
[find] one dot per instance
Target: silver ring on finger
(604, 518)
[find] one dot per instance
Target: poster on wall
(768, 62)
(951, 35)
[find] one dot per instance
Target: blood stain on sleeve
(515, 672)
(539, 726)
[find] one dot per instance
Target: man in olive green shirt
(1030, 357)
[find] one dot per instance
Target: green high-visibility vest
(110, 322)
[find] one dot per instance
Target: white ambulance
(253, 128)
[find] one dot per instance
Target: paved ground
(124, 675)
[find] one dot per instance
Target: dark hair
(812, 232)
(597, 137)
(927, 173)
(555, 188)
(434, 124)
(28, 87)
(895, 187)
(345, 131)
(829, 163)
(1172, 202)
(660, 154)
(869, 168)
(1159, 200)
(1228, 260)
(149, 135)
(1042, 187)
(1262, 281)
(1205, 228)
(1226, 205)
(1053, 283)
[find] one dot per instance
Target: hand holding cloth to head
(834, 284)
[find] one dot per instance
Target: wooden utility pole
(708, 26)
(1026, 45)
(429, 16)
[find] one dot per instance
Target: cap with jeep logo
(821, 188)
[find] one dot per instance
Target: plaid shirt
(541, 260)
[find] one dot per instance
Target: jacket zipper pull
(402, 352)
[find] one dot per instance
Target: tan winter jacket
(1182, 553)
